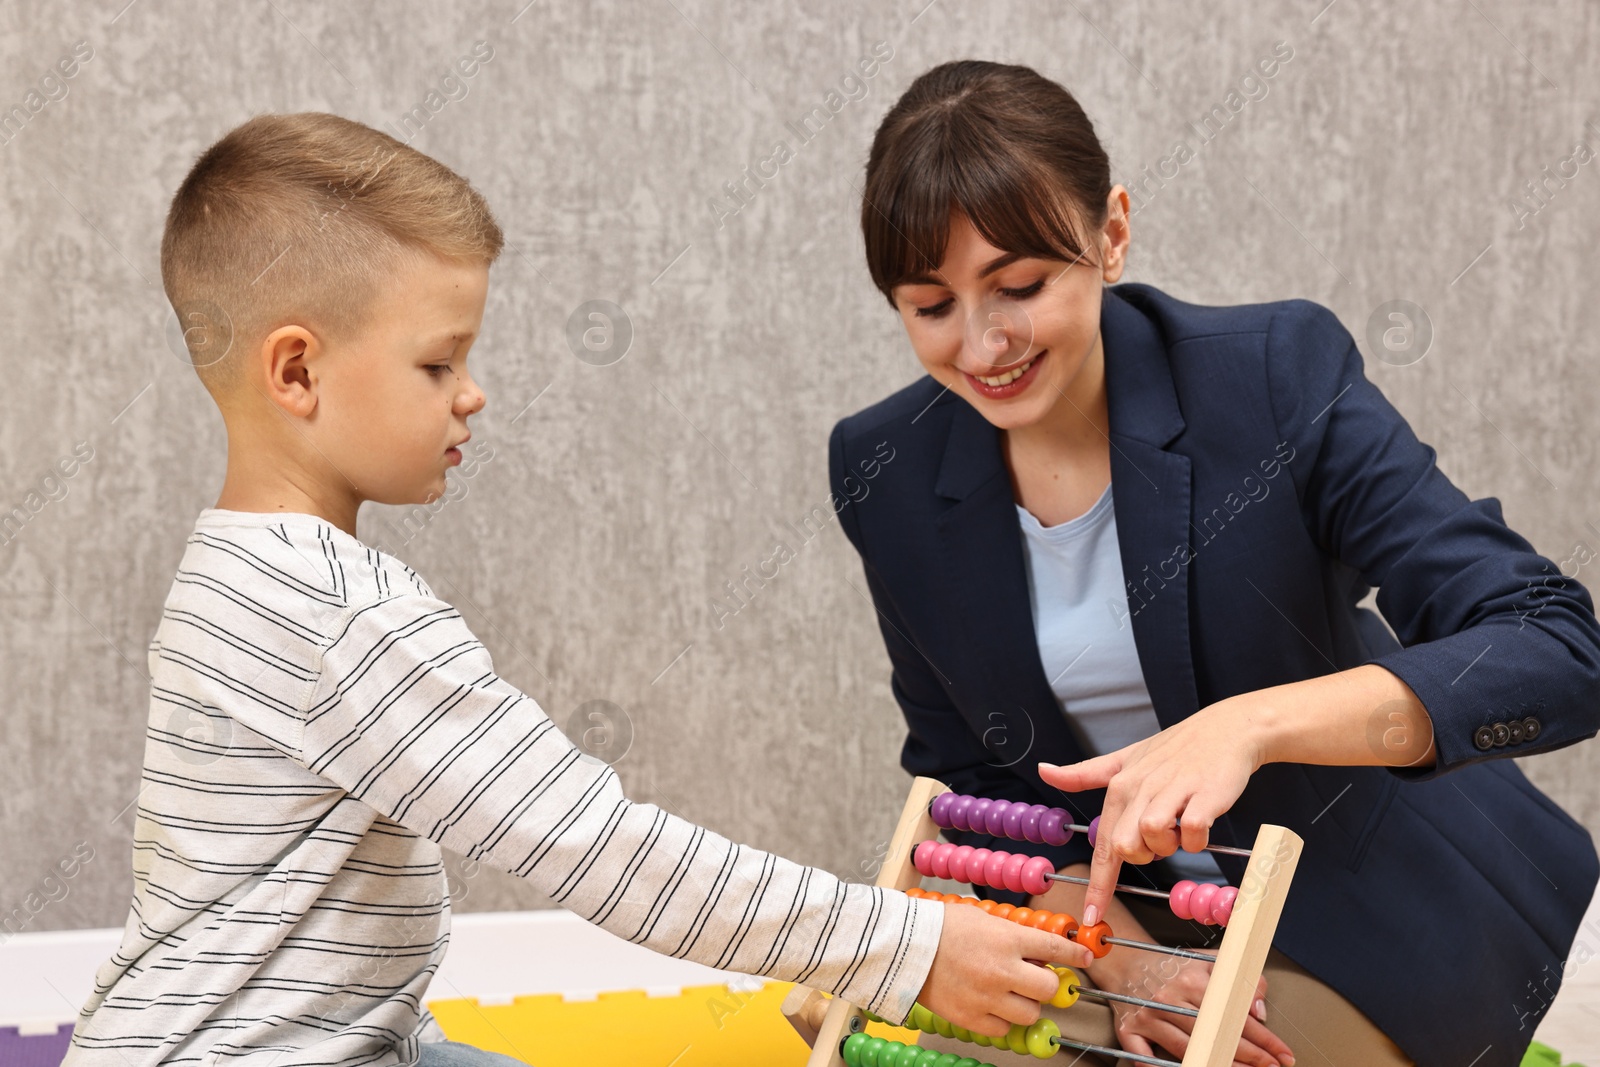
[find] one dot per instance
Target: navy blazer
(1262, 486)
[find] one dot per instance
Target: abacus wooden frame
(825, 1023)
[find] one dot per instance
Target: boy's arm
(409, 716)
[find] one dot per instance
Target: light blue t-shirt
(1080, 614)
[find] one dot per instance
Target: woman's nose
(998, 333)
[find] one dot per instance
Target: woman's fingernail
(1288, 1060)
(1091, 915)
(1259, 1010)
(1048, 767)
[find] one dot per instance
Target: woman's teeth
(1008, 377)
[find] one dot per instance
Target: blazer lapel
(1150, 489)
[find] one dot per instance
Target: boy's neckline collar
(229, 517)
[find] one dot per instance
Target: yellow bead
(1067, 993)
(1016, 1039)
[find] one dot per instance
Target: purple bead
(1053, 827)
(1030, 823)
(1014, 815)
(978, 814)
(997, 817)
(958, 811)
(939, 810)
(1094, 830)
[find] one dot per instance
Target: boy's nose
(471, 400)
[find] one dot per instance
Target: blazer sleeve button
(1518, 731)
(1483, 738)
(1502, 734)
(1531, 728)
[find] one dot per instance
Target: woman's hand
(986, 973)
(1181, 983)
(1189, 773)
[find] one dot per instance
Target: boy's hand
(986, 974)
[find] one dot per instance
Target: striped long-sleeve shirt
(320, 724)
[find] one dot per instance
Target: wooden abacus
(1249, 913)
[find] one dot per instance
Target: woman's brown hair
(1004, 145)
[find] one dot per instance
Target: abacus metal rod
(1114, 1053)
(1075, 880)
(1101, 994)
(1151, 947)
(1226, 850)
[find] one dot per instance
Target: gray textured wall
(1384, 161)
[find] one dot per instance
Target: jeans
(459, 1054)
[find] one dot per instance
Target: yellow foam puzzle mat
(702, 1026)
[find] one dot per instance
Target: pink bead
(1053, 827)
(959, 858)
(994, 871)
(1200, 902)
(978, 865)
(940, 860)
(1222, 907)
(1036, 875)
(939, 810)
(958, 811)
(997, 815)
(1012, 875)
(1180, 899)
(922, 857)
(1094, 830)
(1029, 823)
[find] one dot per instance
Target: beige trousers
(1321, 1027)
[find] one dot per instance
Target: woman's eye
(1025, 292)
(933, 312)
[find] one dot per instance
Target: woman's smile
(1008, 383)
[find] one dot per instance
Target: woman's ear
(287, 355)
(1114, 239)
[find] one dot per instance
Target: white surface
(495, 956)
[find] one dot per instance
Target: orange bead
(1093, 938)
(1059, 922)
(1004, 911)
(988, 905)
(1041, 919)
(1021, 915)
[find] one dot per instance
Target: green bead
(850, 1051)
(947, 1059)
(1017, 1039)
(1040, 1036)
(929, 1058)
(871, 1051)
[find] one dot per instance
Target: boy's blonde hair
(296, 219)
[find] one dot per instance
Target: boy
(320, 723)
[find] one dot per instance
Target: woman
(1128, 535)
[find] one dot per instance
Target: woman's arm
(1194, 771)
(1492, 631)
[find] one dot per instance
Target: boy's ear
(287, 355)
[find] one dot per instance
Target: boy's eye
(436, 368)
